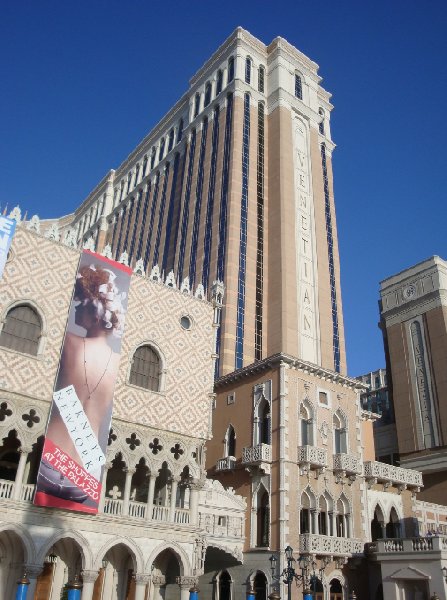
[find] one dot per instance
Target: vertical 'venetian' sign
(7, 228)
(78, 426)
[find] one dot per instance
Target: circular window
(185, 322)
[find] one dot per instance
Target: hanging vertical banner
(7, 228)
(75, 445)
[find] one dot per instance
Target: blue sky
(83, 82)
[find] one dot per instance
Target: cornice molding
(292, 362)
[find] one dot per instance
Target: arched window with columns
(307, 512)
(262, 422)
(307, 423)
(325, 514)
(343, 518)
(340, 433)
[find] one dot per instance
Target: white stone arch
(378, 505)
(40, 312)
(338, 575)
(81, 541)
(27, 541)
(129, 544)
(163, 369)
(308, 423)
(183, 559)
(398, 510)
(310, 493)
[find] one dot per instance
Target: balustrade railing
(382, 472)
(226, 464)
(409, 545)
(6, 488)
(181, 515)
(257, 454)
(325, 544)
(347, 463)
(160, 513)
(137, 509)
(27, 492)
(113, 506)
(312, 456)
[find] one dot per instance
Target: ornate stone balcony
(377, 472)
(226, 464)
(435, 543)
(325, 544)
(347, 465)
(312, 458)
(259, 456)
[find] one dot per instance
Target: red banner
(78, 426)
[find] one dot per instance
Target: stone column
(383, 528)
(102, 497)
(334, 523)
(174, 485)
(314, 519)
(141, 581)
(158, 581)
(150, 496)
(88, 581)
(185, 584)
(129, 474)
(195, 488)
(16, 493)
(32, 572)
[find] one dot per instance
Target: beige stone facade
(235, 183)
(158, 515)
(414, 321)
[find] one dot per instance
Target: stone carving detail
(159, 580)
(89, 576)
(132, 441)
(70, 238)
(324, 432)
(187, 582)
(16, 214)
(311, 457)
(184, 288)
(325, 544)
(347, 463)
(34, 224)
(170, 280)
(52, 233)
(259, 453)
(89, 244)
(31, 418)
(107, 252)
(200, 292)
(124, 259)
(155, 273)
(389, 473)
(139, 267)
(5, 411)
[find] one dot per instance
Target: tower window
(196, 104)
(180, 131)
(171, 140)
(230, 68)
(298, 87)
(248, 70)
(207, 93)
(219, 82)
(261, 79)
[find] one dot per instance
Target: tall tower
(235, 184)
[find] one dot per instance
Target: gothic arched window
(230, 69)
(22, 330)
(248, 70)
(298, 87)
(145, 369)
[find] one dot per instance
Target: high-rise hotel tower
(235, 184)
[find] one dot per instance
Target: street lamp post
(289, 574)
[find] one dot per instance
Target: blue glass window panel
(207, 242)
(185, 218)
(198, 207)
(240, 317)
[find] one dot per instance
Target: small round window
(185, 322)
